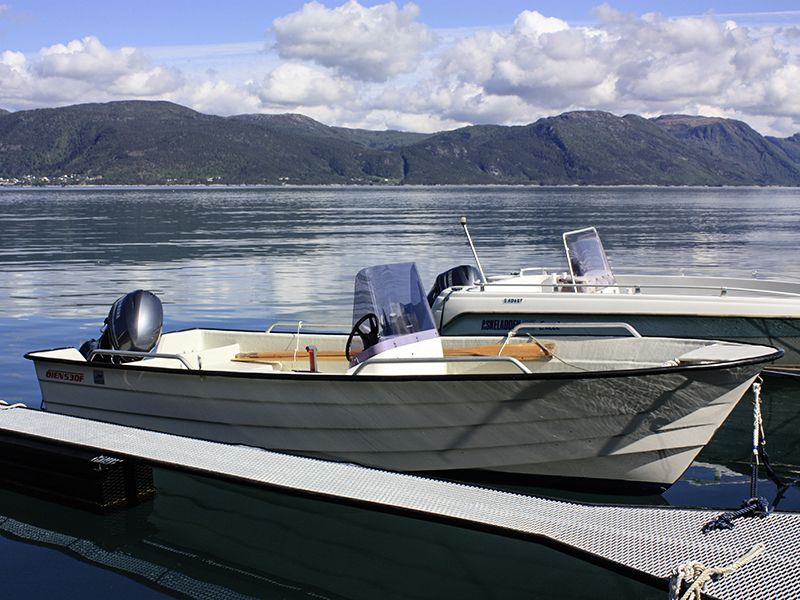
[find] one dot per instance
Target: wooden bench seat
(526, 351)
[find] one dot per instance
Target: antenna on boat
(463, 221)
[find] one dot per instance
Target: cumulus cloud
(371, 44)
(14, 77)
(122, 72)
(87, 59)
(646, 64)
(80, 71)
(14, 61)
(540, 60)
(219, 97)
(294, 84)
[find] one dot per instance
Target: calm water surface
(242, 258)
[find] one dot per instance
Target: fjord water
(242, 258)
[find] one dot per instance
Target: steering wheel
(368, 337)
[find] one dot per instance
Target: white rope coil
(696, 574)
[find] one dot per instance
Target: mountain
(3, 111)
(734, 144)
(137, 142)
(790, 145)
(306, 126)
(585, 147)
(140, 142)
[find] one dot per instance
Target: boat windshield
(395, 295)
(587, 258)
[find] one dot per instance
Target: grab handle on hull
(626, 326)
(133, 354)
(455, 359)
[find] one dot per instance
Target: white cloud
(371, 44)
(541, 61)
(14, 61)
(782, 92)
(218, 97)
(87, 59)
(14, 78)
(81, 71)
(628, 63)
(145, 82)
(293, 84)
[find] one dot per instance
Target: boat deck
(649, 541)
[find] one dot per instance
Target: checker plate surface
(650, 540)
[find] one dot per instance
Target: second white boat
(757, 311)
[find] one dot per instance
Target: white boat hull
(638, 428)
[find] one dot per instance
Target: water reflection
(298, 248)
(205, 538)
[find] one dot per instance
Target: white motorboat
(756, 311)
(393, 394)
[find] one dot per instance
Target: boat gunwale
(728, 295)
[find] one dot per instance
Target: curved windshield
(395, 295)
(587, 258)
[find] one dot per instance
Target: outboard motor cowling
(462, 275)
(134, 323)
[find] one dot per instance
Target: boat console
(392, 318)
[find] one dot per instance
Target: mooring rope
(782, 484)
(696, 574)
(755, 506)
(297, 341)
(758, 427)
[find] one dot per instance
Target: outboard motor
(133, 323)
(462, 275)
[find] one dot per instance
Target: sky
(427, 65)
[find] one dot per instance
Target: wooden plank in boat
(530, 351)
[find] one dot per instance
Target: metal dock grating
(652, 541)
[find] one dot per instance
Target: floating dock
(651, 542)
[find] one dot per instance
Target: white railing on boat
(453, 359)
(134, 354)
(754, 274)
(713, 271)
(636, 288)
(298, 325)
(558, 325)
(542, 270)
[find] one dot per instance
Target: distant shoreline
(333, 186)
